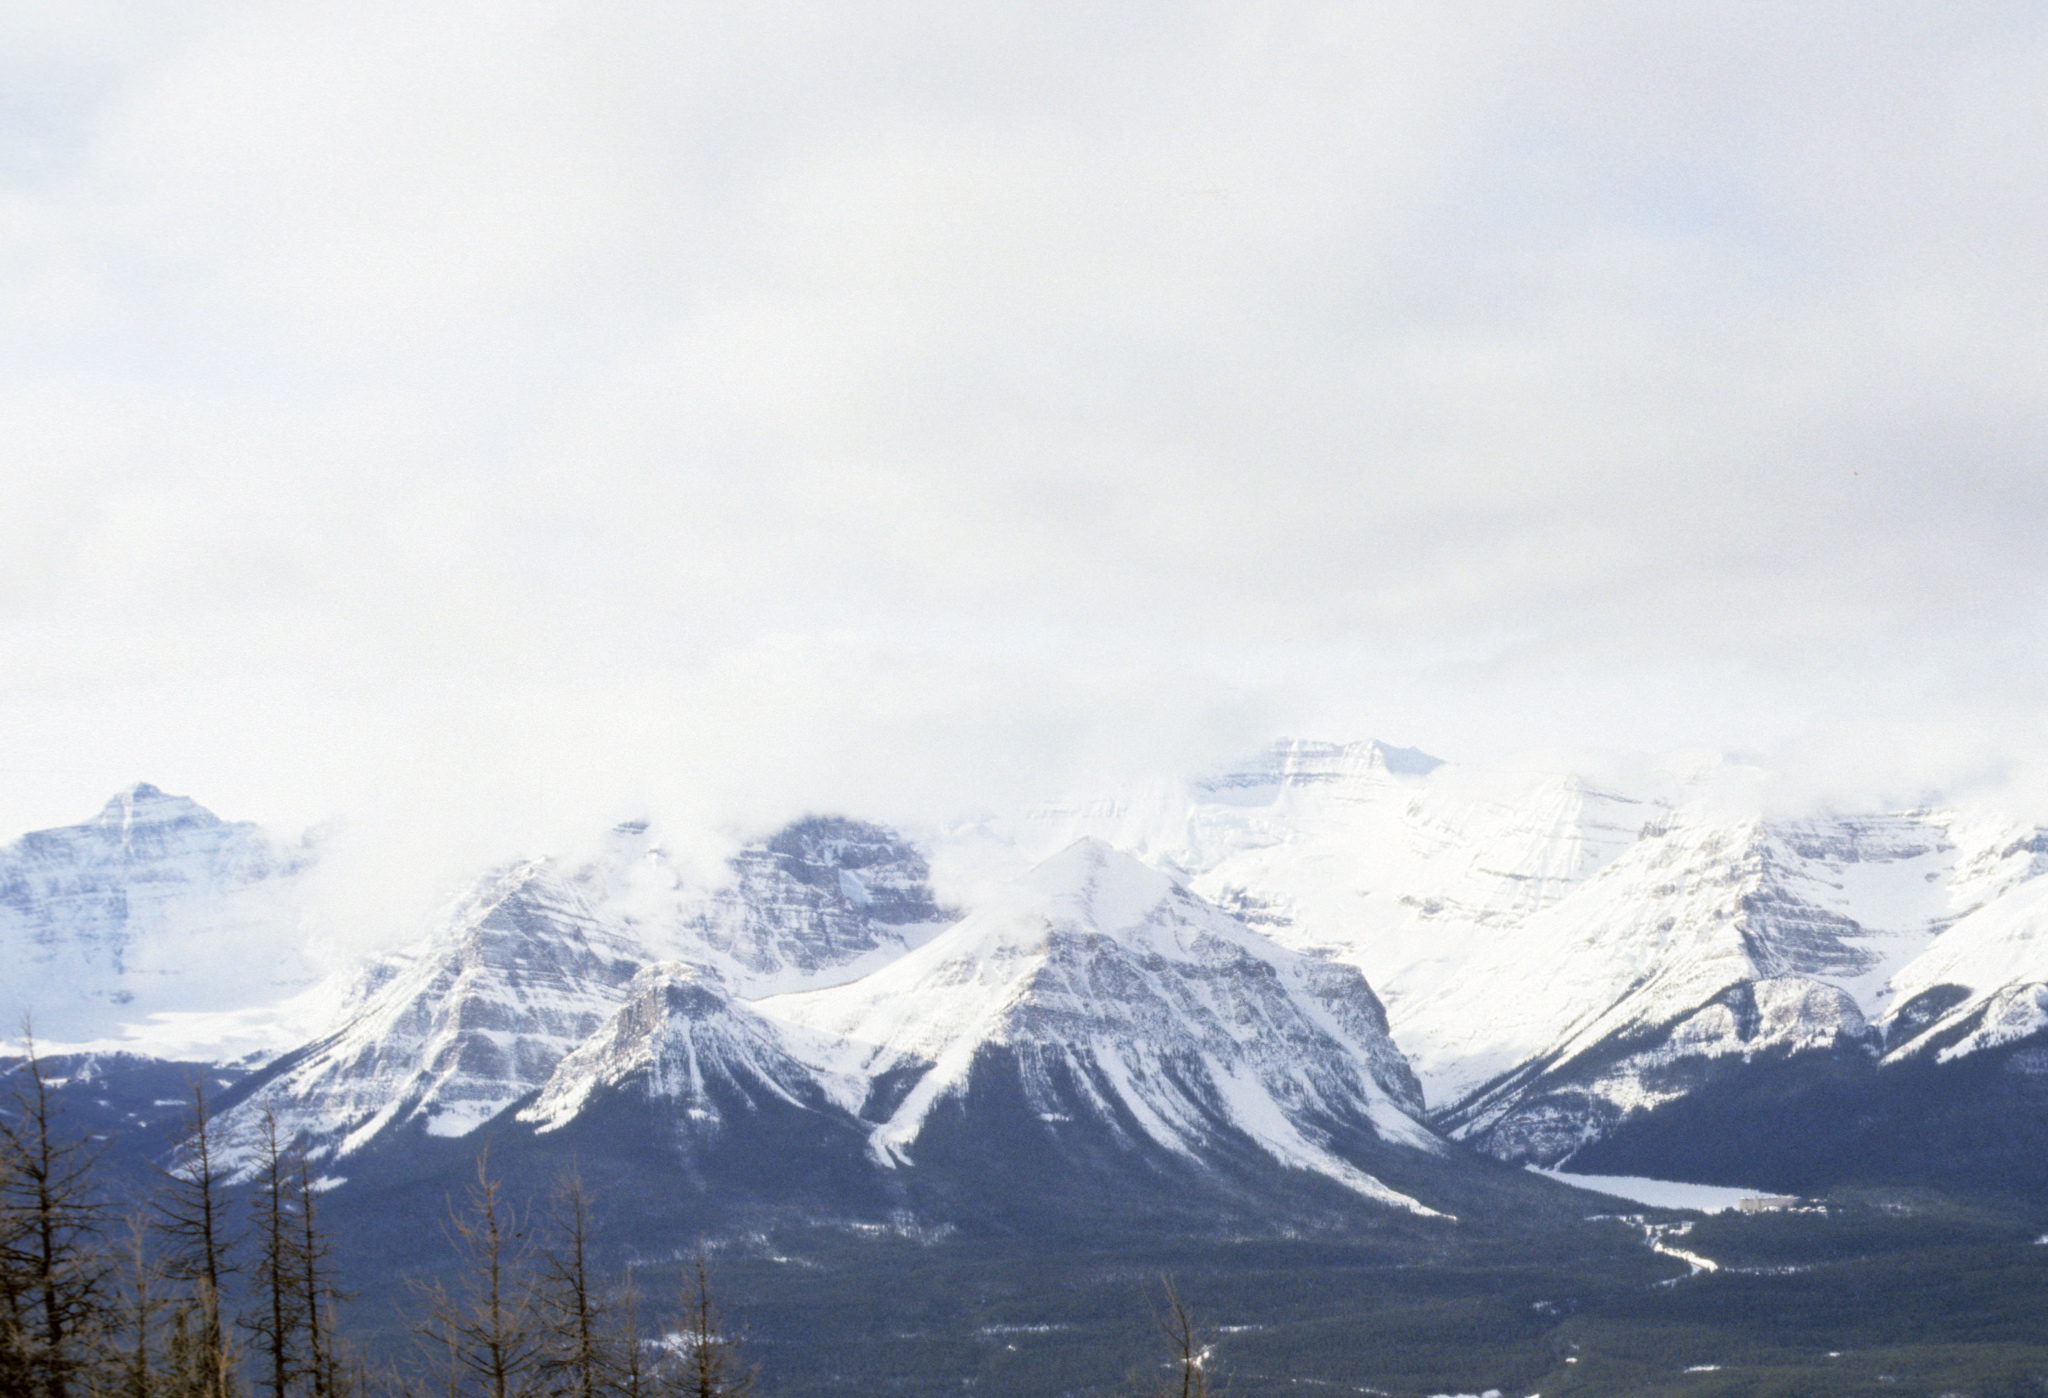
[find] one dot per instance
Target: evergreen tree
(277, 1318)
(16, 1372)
(326, 1374)
(132, 1355)
(633, 1377)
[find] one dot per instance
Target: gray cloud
(482, 420)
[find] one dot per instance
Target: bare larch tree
(52, 1218)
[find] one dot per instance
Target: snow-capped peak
(1094, 885)
(154, 907)
(683, 1041)
(143, 804)
(1109, 990)
(1309, 762)
(519, 974)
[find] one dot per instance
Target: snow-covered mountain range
(1333, 962)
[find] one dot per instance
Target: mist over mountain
(1307, 959)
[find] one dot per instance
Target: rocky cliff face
(520, 973)
(1111, 1001)
(817, 902)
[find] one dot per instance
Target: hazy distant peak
(145, 804)
(1290, 762)
(1405, 762)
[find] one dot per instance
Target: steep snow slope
(154, 907)
(680, 1039)
(1117, 996)
(1680, 917)
(1382, 857)
(519, 973)
(1982, 985)
(1557, 953)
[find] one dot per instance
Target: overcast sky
(498, 417)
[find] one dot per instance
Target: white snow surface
(1517, 919)
(1662, 1194)
(1097, 971)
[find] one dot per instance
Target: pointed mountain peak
(143, 803)
(1404, 762)
(1098, 884)
(1309, 762)
(684, 1041)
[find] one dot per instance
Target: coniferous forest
(161, 1263)
(218, 1278)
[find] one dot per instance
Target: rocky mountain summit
(1106, 1000)
(1560, 957)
